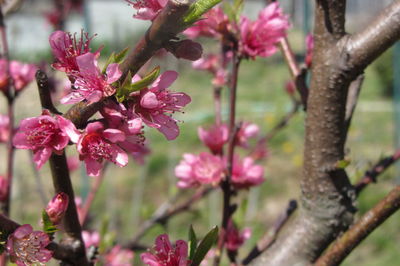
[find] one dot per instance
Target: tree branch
(360, 230)
(368, 44)
(45, 92)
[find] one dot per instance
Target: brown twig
(361, 229)
(269, 237)
(45, 92)
(376, 170)
(166, 212)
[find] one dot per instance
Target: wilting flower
(97, 144)
(214, 23)
(42, 135)
(118, 256)
(245, 173)
(246, 131)
(90, 84)
(4, 128)
(164, 254)
(156, 104)
(147, 9)
(186, 49)
(91, 239)
(235, 239)
(309, 49)
(259, 38)
(196, 170)
(215, 137)
(28, 247)
(3, 188)
(66, 48)
(56, 207)
(22, 74)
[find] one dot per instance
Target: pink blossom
(91, 239)
(43, 135)
(156, 104)
(259, 38)
(90, 84)
(196, 170)
(309, 49)
(214, 23)
(147, 9)
(66, 48)
(57, 207)
(4, 128)
(235, 239)
(22, 74)
(118, 256)
(214, 64)
(27, 247)
(246, 131)
(3, 188)
(164, 254)
(245, 173)
(97, 144)
(215, 137)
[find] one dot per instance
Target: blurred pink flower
(90, 84)
(309, 49)
(66, 48)
(91, 238)
(196, 170)
(245, 173)
(214, 64)
(213, 24)
(4, 128)
(147, 9)
(78, 204)
(259, 38)
(215, 137)
(73, 163)
(22, 74)
(56, 207)
(3, 74)
(28, 247)
(42, 135)
(97, 144)
(235, 239)
(3, 188)
(164, 254)
(290, 87)
(156, 104)
(246, 131)
(118, 256)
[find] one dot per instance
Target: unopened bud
(57, 207)
(186, 49)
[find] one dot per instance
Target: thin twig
(45, 92)
(361, 229)
(371, 175)
(269, 237)
(166, 212)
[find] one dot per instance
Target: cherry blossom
(214, 23)
(147, 9)
(56, 207)
(215, 137)
(118, 256)
(245, 173)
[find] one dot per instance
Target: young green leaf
(121, 56)
(197, 9)
(110, 60)
(204, 246)
(146, 81)
(192, 242)
(48, 226)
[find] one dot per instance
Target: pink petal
(93, 167)
(114, 135)
(68, 128)
(95, 96)
(149, 101)
(94, 127)
(166, 79)
(121, 157)
(87, 64)
(41, 156)
(113, 73)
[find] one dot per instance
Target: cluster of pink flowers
(21, 74)
(166, 254)
(254, 38)
(206, 168)
(28, 247)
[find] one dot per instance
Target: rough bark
(327, 195)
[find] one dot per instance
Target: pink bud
(186, 49)
(57, 207)
(3, 188)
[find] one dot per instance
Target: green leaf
(146, 81)
(48, 226)
(110, 60)
(197, 9)
(234, 10)
(204, 246)
(343, 164)
(121, 55)
(192, 242)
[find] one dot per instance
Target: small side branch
(270, 236)
(360, 230)
(45, 92)
(380, 167)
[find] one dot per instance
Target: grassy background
(130, 195)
